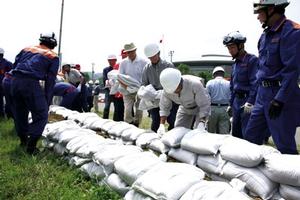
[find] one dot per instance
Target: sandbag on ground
(132, 166)
(145, 139)
(212, 190)
(211, 163)
(93, 170)
(173, 137)
(289, 192)
(134, 195)
(201, 142)
(168, 181)
(183, 156)
(114, 182)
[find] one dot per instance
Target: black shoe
(33, 151)
(31, 146)
(24, 141)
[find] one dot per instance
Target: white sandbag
(241, 152)
(59, 149)
(66, 113)
(132, 166)
(132, 134)
(97, 125)
(145, 139)
(52, 129)
(80, 117)
(266, 150)
(168, 181)
(54, 108)
(212, 190)
(118, 129)
(93, 170)
(147, 92)
(289, 192)
(173, 137)
(255, 180)
(183, 156)
(114, 182)
(87, 149)
(89, 120)
(78, 161)
(211, 163)
(111, 153)
(134, 195)
(132, 84)
(148, 105)
(201, 142)
(158, 146)
(68, 135)
(282, 168)
(107, 126)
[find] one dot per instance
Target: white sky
(93, 29)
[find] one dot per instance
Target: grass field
(44, 176)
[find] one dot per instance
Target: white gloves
(247, 107)
(161, 130)
(201, 126)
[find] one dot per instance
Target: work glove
(161, 130)
(229, 111)
(275, 109)
(201, 126)
(247, 107)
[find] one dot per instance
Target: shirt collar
(242, 57)
(278, 24)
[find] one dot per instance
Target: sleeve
(50, 80)
(165, 105)
(253, 66)
(104, 76)
(231, 90)
(145, 80)
(122, 67)
(289, 55)
(202, 99)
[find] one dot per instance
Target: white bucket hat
(129, 47)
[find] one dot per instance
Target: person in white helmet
(242, 82)
(151, 75)
(189, 93)
(132, 66)
(219, 91)
(277, 104)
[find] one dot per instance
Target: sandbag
(183, 156)
(70, 134)
(80, 117)
(282, 168)
(211, 163)
(107, 126)
(114, 182)
(158, 146)
(117, 130)
(78, 161)
(132, 133)
(212, 190)
(173, 137)
(255, 180)
(145, 139)
(201, 142)
(168, 181)
(111, 153)
(59, 149)
(134, 195)
(241, 152)
(52, 129)
(93, 170)
(289, 192)
(130, 167)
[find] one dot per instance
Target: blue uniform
(5, 66)
(243, 89)
(69, 94)
(32, 65)
(279, 60)
(6, 85)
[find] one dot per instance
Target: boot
(23, 141)
(31, 146)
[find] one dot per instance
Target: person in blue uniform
(32, 65)
(242, 83)
(277, 105)
(6, 85)
(5, 66)
(69, 93)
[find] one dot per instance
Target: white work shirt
(193, 98)
(133, 68)
(219, 90)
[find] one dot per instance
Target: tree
(184, 69)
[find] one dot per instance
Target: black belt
(267, 83)
(219, 104)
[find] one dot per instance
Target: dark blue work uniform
(243, 89)
(69, 94)
(32, 65)
(5, 66)
(6, 85)
(279, 60)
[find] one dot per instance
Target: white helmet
(170, 79)
(217, 69)
(260, 4)
(112, 57)
(151, 50)
(97, 82)
(90, 82)
(1, 51)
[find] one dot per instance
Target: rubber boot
(31, 146)
(23, 140)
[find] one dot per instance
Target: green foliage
(45, 176)
(206, 75)
(184, 69)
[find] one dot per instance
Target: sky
(93, 29)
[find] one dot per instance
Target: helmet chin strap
(265, 24)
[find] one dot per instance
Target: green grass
(45, 176)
